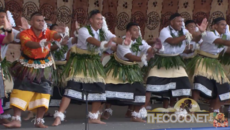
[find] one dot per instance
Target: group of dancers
(185, 61)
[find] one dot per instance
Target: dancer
(32, 86)
(210, 81)
(167, 77)
(6, 64)
(87, 73)
(124, 80)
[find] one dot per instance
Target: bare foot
(96, 121)
(128, 114)
(41, 125)
(13, 124)
(4, 121)
(105, 115)
(57, 122)
(137, 120)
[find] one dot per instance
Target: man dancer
(87, 73)
(167, 77)
(210, 81)
(32, 85)
(129, 81)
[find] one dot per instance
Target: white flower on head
(10, 18)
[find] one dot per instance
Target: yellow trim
(167, 73)
(22, 99)
(60, 62)
(167, 55)
(75, 49)
(203, 53)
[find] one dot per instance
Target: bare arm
(175, 41)
(54, 47)
(220, 41)
(117, 40)
(34, 45)
(8, 38)
(132, 57)
(57, 36)
(93, 41)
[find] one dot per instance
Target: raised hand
(157, 44)
(203, 25)
(77, 25)
(127, 41)
(7, 24)
(61, 28)
(25, 24)
(65, 40)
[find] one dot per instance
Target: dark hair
(52, 26)
(2, 10)
(129, 25)
(35, 14)
(47, 19)
(174, 16)
(188, 22)
(93, 12)
(217, 20)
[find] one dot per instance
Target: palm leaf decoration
(92, 48)
(5, 68)
(89, 65)
(130, 73)
(60, 53)
(135, 47)
(224, 59)
(167, 62)
(209, 63)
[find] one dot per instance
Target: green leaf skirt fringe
(125, 73)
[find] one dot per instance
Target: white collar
(94, 31)
(217, 34)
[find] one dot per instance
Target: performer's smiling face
(134, 31)
(96, 21)
(37, 22)
(221, 27)
(176, 23)
(191, 27)
(2, 16)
